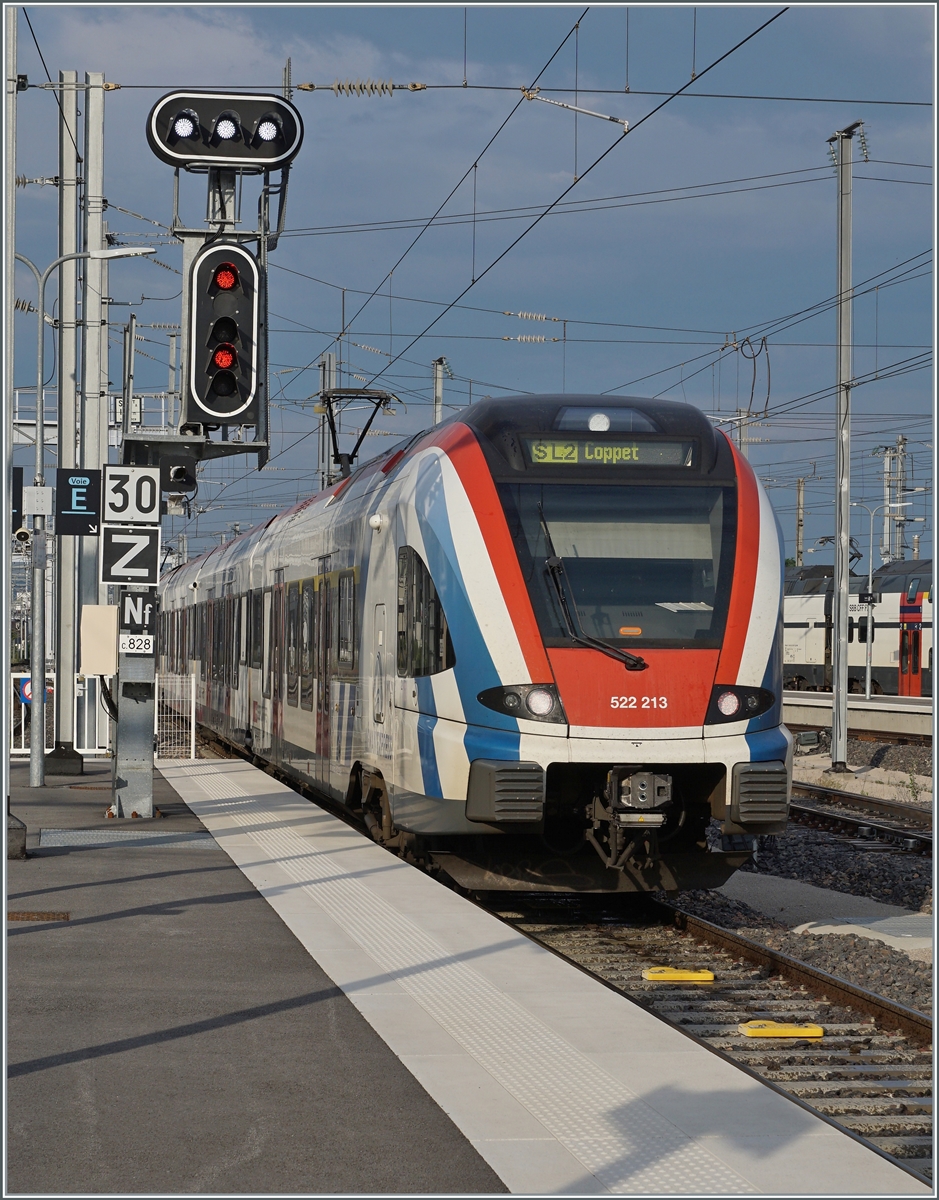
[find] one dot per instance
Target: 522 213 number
(638, 702)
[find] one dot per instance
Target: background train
(538, 646)
(902, 646)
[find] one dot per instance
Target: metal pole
(169, 419)
(743, 433)
(899, 524)
(6, 425)
(64, 760)
(37, 656)
(839, 667)
(438, 390)
(94, 448)
(870, 610)
(800, 519)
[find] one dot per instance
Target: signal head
(197, 130)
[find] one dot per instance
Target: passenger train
(901, 629)
(538, 646)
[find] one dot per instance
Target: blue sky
(652, 282)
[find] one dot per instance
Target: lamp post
(37, 657)
(872, 512)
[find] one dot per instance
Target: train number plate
(638, 702)
(135, 643)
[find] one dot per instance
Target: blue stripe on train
(475, 669)
(767, 745)
(426, 723)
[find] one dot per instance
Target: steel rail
(909, 1021)
(889, 808)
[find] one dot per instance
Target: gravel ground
(862, 961)
(915, 758)
(816, 857)
(820, 858)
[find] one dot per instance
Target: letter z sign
(130, 554)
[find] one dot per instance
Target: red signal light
(224, 357)
(226, 277)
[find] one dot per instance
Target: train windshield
(639, 566)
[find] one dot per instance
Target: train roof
(891, 577)
(498, 420)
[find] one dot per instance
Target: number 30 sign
(131, 496)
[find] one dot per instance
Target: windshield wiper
(555, 568)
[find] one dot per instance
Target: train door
(323, 626)
(910, 682)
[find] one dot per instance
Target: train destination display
(608, 452)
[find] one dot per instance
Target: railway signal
(224, 333)
(250, 133)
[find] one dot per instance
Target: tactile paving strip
(624, 1144)
(53, 838)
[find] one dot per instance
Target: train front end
(611, 573)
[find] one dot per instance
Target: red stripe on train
(460, 444)
(746, 558)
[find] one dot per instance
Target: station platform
(284, 1007)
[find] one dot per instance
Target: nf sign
(138, 612)
(77, 502)
(131, 496)
(130, 554)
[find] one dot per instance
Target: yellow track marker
(677, 975)
(780, 1029)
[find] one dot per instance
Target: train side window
(235, 641)
(424, 646)
(851, 630)
(256, 631)
(242, 629)
(293, 644)
(911, 591)
(346, 648)
(307, 597)
(266, 642)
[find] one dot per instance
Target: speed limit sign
(131, 496)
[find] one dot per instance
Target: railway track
(905, 825)
(871, 1073)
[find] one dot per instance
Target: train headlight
(731, 703)
(540, 702)
(728, 704)
(528, 701)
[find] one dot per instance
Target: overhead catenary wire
(547, 209)
(457, 186)
(596, 162)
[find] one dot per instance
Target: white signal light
(226, 129)
(268, 131)
(728, 703)
(599, 423)
(184, 126)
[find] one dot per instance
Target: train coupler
(626, 819)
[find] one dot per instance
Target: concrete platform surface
(806, 908)
(561, 1084)
(791, 901)
(912, 934)
(174, 1037)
